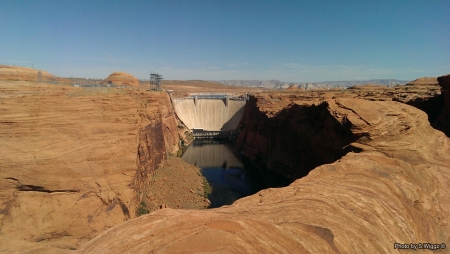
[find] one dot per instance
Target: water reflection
(223, 167)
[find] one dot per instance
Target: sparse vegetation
(206, 188)
(180, 151)
(142, 209)
(189, 136)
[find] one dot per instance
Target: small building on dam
(210, 115)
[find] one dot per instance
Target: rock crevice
(296, 139)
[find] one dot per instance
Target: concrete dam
(217, 114)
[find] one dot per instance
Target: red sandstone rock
(73, 161)
(121, 78)
(24, 74)
(424, 81)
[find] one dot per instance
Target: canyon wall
(74, 160)
(390, 186)
(294, 141)
(312, 136)
(443, 120)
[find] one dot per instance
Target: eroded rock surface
(73, 160)
(392, 187)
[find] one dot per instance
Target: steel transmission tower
(155, 81)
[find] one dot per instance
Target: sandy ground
(177, 185)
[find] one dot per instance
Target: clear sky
(293, 41)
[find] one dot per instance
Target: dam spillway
(210, 114)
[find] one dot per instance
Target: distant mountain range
(276, 84)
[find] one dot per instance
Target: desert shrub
(142, 209)
(206, 188)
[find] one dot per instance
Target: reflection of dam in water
(210, 113)
(212, 154)
(223, 167)
(221, 164)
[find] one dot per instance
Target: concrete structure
(210, 113)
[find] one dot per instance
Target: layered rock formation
(385, 181)
(74, 160)
(424, 81)
(24, 74)
(120, 78)
(367, 87)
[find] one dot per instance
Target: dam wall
(209, 114)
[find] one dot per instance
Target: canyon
(367, 171)
(366, 167)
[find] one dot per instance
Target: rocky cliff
(74, 160)
(160, 134)
(443, 120)
(295, 140)
(383, 180)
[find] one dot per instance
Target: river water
(224, 169)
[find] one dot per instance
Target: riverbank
(176, 185)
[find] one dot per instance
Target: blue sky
(293, 41)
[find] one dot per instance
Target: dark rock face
(430, 105)
(296, 140)
(443, 120)
(151, 152)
